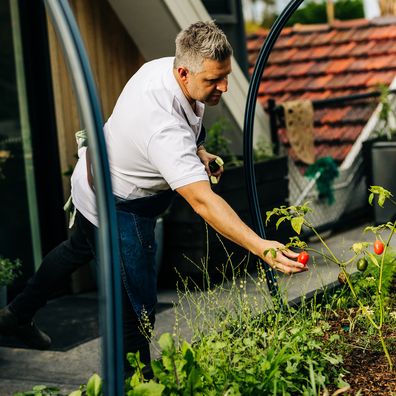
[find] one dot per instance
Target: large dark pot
(186, 237)
(379, 157)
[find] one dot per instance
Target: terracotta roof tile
(321, 52)
(319, 67)
(302, 54)
(320, 61)
(300, 69)
(282, 56)
(338, 65)
(342, 49)
(353, 23)
(382, 47)
(335, 115)
(363, 48)
(360, 113)
(320, 82)
(325, 38)
(298, 84)
(381, 78)
(383, 32)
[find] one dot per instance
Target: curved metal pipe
(108, 249)
(250, 176)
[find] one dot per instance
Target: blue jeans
(78, 250)
(138, 267)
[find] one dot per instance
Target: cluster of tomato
(361, 264)
(378, 249)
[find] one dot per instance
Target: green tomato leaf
(150, 388)
(271, 251)
(297, 223)
(373, 259)
(94, 386)
(280, 221)
(381, 200)
(76, 393)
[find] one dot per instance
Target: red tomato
(378, 247)
(303, 258)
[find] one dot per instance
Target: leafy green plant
(40, 390)
(9, 270)
(217, 143)
(387, 113)
(94, 387)
(242, 346)
(375, 315)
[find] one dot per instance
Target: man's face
(209, 83)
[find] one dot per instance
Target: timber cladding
(114, 58)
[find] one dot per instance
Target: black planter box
(186, 237)
(379, 157)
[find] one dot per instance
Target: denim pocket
(145, 231)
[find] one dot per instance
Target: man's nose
(222, 85)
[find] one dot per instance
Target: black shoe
(29, 333)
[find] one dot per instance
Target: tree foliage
(314, 12)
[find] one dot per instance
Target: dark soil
(368, 369)
(369, 372)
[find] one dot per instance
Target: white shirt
(151, 139)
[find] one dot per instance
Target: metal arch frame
(108, 247)
(250, 176)
(109, 271)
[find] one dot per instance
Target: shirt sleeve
(173, 151)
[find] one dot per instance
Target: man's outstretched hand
(277, 256)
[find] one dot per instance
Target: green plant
(217, 143)
(241, 345)
(376, 314)
(40, 390)
(387, 115)
(9, 270)
(94, 387)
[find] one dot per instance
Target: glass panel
(18, 214)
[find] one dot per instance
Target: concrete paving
(21, 369)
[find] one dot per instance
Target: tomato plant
(378, 247)
(303, 258)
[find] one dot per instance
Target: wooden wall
(114, 58)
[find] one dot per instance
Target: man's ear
(182, 72)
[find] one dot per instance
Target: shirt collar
(192, 118)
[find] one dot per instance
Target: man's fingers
(283, 264)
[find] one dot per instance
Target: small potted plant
(9, 270)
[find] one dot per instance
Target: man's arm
(219, 215)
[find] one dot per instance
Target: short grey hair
(200, 41)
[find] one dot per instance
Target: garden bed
(368, 369)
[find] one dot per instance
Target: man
(155, 146)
